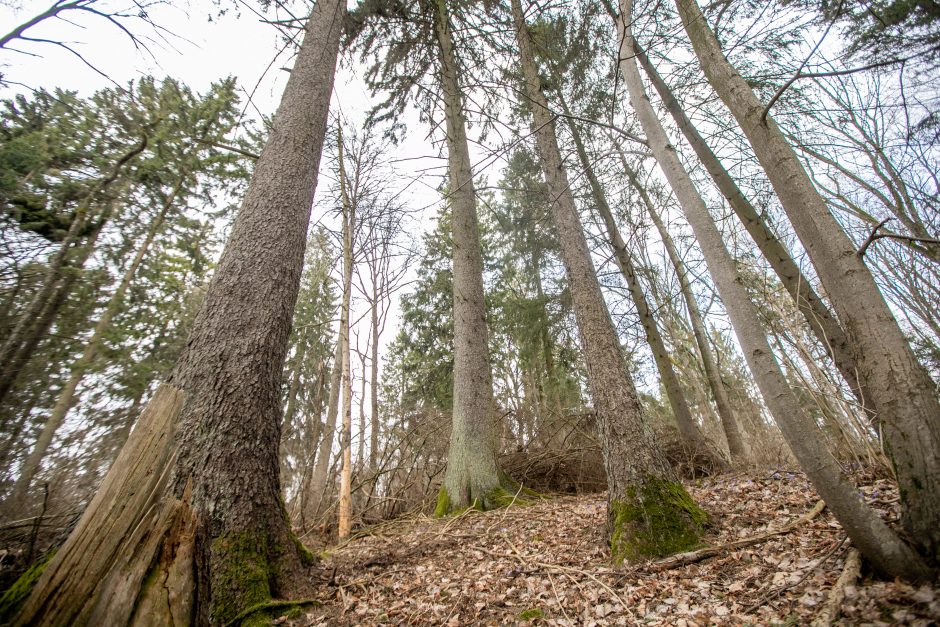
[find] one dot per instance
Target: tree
(192, 503)
(902, 393)
(649, 511)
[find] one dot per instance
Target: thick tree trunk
(817, 314)
(349, 224)
(688, 429)
(472, 476)
(69, 396)
(649, 511)
(902, 393)
(189, 526)
(729, 423)
(12, 354)
(867, 531)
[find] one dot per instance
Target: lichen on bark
(655, 520)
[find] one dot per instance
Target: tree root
(269, 605)
(691, 557)
(850, 574)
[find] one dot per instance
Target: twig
(872, 237)
(691, 557)
(875, 235)
(775, 593)
(850, 573)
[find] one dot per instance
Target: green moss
(530, 614)
(14, 597)
(506, 492)
(241, 575)
(658, 520)
(443, 503)
(307, 557)
(265, 613)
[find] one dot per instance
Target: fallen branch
(850, 573)
(691, 557)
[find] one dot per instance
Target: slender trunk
(867, 531)
(317, 486)
(472, 474)
(374, 384)
(688, 428)
(69, 396)
(640, 481)
(12, 355)
(349, 228)
(188, 526)
(729, 423)
(902, 393)
(817, 314)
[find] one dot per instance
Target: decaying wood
(690, 557)
(850, 573)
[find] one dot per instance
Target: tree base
(655, 520)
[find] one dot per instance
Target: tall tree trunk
(688, 428)
(349, 224)
(12, 355)
(316, 488)
(188, 526)
(649, 511)
(729, 423)
(69, 396)
(867, 531)
(472, 476)
(374, 383)
(817, 314)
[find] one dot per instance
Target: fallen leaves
(546, 565)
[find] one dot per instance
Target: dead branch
(850, 573)
(691, 557)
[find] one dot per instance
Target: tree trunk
(317, 487)
(902, 393)
(69, 396)
(649, 511)
(817, 314)
(374, 384)
(12, 355)
(868, 532)
(688, 429)
(188, 526)
(349, 224)
(472, 477)
(729, 423)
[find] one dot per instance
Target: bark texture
(472, 476)
(902, 393)
(649, 512)
(820, 319)
(867, 531)
(196, 531)
(349, 224)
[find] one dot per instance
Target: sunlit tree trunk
(349, 227)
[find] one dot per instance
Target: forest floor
(545, 564)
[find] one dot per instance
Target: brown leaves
(547, 565)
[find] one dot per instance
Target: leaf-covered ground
(545, 564)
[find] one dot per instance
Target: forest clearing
(446, 312)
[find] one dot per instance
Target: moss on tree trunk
(656, 519)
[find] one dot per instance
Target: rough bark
(729, 423)
(472, 476)
(902, 393)
(868, 532)
(688, 428)
(68, 397)
(820, 319)
(649, 511)
(189, 527)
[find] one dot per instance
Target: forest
(565, 312)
